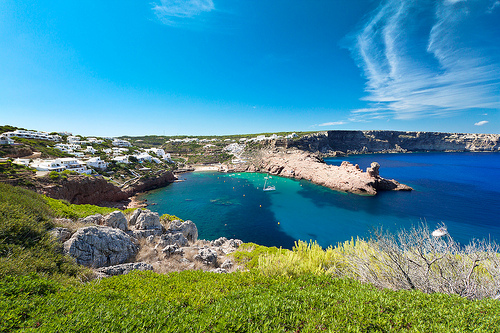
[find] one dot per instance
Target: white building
(121, 159)
(67, 147)
(73, 164)
(33, 135)
(158, 151)
(121, 143)
(22, 161)
(119, 151)
(143, 157)
(291, 136)
(47, 165)
(73, 139)
(77, 153)
(95, 140)
(96, 162)
(90, 150)
(5, 140)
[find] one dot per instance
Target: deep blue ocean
(461, 190)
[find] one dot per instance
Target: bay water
(461, 190)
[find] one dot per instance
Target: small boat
(268, 188)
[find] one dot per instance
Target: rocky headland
(304, 165)
(362, 142)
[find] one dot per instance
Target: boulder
(116, 220)
(92, 219)
(134, 216)
(207, 256)
(125, 268)
(187, 228)
(373, 170)
(148, 220)
(219, 241)
(172, 250)
(172, 239)
(227, 264)
(145, 233)
(98, 246)
(60, 234)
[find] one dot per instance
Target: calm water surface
(460, 189)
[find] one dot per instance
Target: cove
(461, 190)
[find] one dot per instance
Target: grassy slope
(40, 290)
(194, 301)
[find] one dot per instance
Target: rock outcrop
(187, 228)
(112, 248)
(116, 220)
(145, 223)
(125, 268)
(302, 165)
(99, 246)
(60, 234)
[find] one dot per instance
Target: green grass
(194, 301)
(25, 246)
(61, 208)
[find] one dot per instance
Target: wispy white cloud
(423, 59)
(481, 123)
(172, 12)
(333, 123)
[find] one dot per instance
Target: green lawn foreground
(193, 301)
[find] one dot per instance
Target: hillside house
(121, 143)
(5, 140)
(97, 163)
(74, 164)
(121, 159)
(47, 165)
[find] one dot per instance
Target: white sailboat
(268, 188)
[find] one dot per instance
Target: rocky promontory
(303, 165)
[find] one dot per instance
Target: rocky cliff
(78, 189)
(352, 142)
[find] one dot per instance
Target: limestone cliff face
(394, 141)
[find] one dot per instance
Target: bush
(411, 259)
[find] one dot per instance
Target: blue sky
(204, 67)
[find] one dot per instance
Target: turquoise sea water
(461, 190)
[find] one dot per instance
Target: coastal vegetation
(307, 289)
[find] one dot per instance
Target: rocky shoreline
(303, 165)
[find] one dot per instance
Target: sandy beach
(212, 167)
